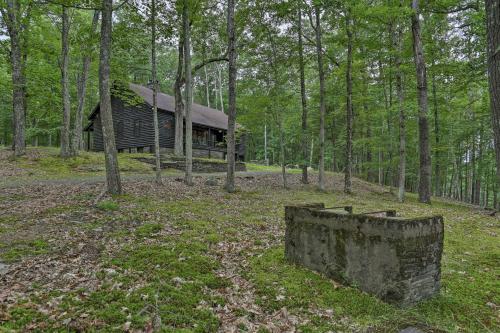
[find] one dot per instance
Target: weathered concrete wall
(395, 259)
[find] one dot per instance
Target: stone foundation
(393, 258)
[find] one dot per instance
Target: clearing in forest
(196, 259)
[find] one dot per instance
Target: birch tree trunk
(113, 180)
(188, 178)
(319, 50)
(179, 105)
(303, 96)
(349, 108)
(231, 122)
(12, 18)
(424, 186)
(493, 36)
(66, 121)
(155, 93)
(81, 92)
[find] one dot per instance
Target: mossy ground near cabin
(134, 129)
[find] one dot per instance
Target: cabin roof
(201, 115)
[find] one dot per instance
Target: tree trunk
(402, 117)
(231, 122)
(437, 167)
(179, 105)
(282, 153)
(155, 93)
(493, 36)
(302, 95)
(424, 187)
(81, 92)
(114, 185)
(319, 50)
(349, 108)
(13, 23)
(66, 121)
(219, 72)
(188, 178)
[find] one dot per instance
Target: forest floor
(196, 259)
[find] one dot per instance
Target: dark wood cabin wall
(133, 126)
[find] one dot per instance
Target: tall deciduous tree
(398, 42)
(186, 24)
(231, 123)
(179, 105)
(113, 180)
(322, 107)
(303, 97)
(155, 92)
(66, 102)
(425, 169)
(13, 17)
(349, 107)
(493, 40)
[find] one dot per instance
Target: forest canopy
(332, 85)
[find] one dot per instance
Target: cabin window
(137, 127)
(200, 137)
(119, 129)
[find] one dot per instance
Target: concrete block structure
(396, 259)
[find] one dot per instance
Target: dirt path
(78, 179)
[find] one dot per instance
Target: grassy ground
(196, 259)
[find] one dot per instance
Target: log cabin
(134, 129)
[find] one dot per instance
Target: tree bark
(349, 107)
(437, 166)
(231, 122)
(179, 105)
(81, 92)
(188, 178)
(13, 22)
(111, 159)
(155, 93)
(66, 121)
(425, 169)
(402, 117)
(321, 73)
(302, 95)
(493, 37)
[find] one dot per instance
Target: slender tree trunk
(302, 95)
(219, 72)
(155, 93)
(349, 108)
(402, 116)
(179, 105)
(231, 122)
(319, 50)
(437, 166)
(207, 88)
(82, 91)
(113, 180)
(14, 27)
(282, 153)
(188, 179)
(66, 121)
(493, 37)
(425, 170)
